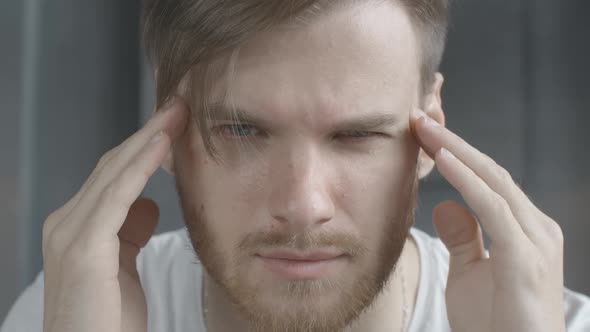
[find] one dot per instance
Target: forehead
(342, 59)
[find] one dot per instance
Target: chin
(311, 313)
(328, 304)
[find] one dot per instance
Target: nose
(300, 192)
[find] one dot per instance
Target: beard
(301, 305)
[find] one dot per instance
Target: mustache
(305, 241)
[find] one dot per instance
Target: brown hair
(202, 37)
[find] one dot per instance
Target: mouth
(297, 265)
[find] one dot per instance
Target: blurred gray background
(73, 83)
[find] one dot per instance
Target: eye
(238, 130)
(355, 134)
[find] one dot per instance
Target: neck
(385, 313)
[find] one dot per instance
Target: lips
(317, 255)
(297, 265)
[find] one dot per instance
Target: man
(298, 181)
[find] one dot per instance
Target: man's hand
(91, 243)
(519, 287)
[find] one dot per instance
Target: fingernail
(417, 114)
(430, 121)
(447, 154)
(169, 103)
(421, 116)
(165, 107)
(157, 137)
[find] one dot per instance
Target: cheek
(378, 197)
(236, 188)
(233, 204)
(377, 184)
(230, 195)
(221, 198)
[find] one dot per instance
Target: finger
(493, 211)
(114, 202)
(173, 120)
(140, 223)
(137, 229)
(433, 137)
(60, 214)
(127, 250)
(459, 231)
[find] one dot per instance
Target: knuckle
(51, 221)
(489, 161)
(531, 269)
(539, 271)
(53, 240)
(555, 233)
(50, 224)
(502, 174)
(537, 268)
(53, 215)
(91, 179)
(542, 269)
(100, 166)
(113, 195)
(48, 228)
(105, 158)
(499, 205)
(108, 193)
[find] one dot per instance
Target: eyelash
(236, 131)
(230, 130)
(356, 134)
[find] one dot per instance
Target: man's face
(322, 167)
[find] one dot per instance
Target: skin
(302, 173)
(90, 244)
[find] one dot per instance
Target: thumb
(460, 232)
(138, 228)
(136, 231)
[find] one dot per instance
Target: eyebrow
(221, 112)
(368, 122)
(363, 122)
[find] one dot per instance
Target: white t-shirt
(171, 277)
